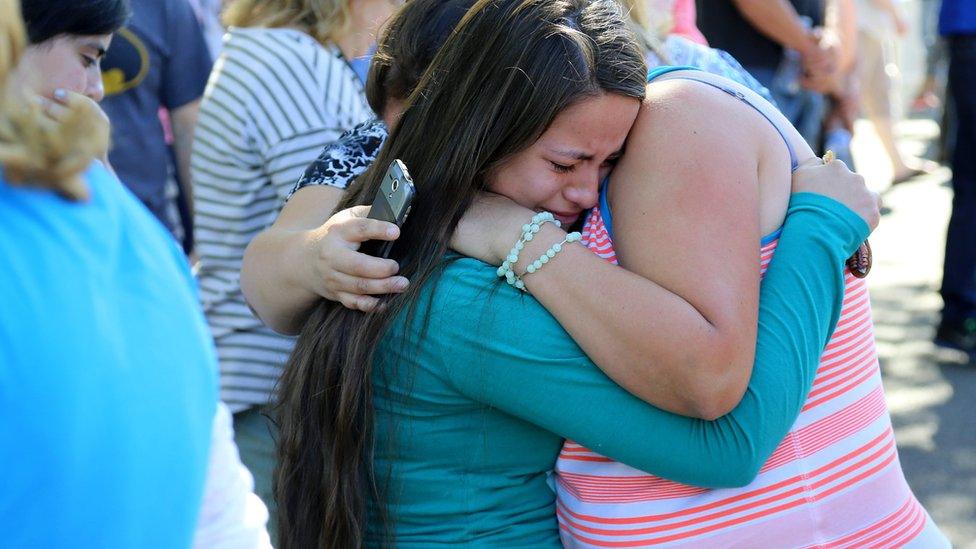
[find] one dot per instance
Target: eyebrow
(580, 155)
(572, 153)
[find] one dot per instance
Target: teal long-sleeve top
(476, 393)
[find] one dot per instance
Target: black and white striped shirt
(275, 98)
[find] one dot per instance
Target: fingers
(341, 283)
(874, 219)
(359, 211)
(63, 102)
(811, 162)
(360, 229)
(361, 265)
(54, 110)
(362, 303)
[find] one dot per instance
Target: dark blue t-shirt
(107, 374)
(725, 28)
(160, 59)
(957, 17)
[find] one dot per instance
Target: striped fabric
(834, 481)
(275, 98)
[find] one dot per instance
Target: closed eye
(562, 168)
(88, 61)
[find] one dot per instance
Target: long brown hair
(407, 46)
(35, 150)
(507, 70)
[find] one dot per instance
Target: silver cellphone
(392, 203)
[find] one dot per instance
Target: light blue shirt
(107, 374)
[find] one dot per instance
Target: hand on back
(836, 181)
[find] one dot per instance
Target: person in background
(685, 16)
(843, 87)
(957, 329)
(783, 44)
(931, 91)
(282, 89)
(880, 24)
(208, 14)
(114, 437)
(664, 45)
(158, 63)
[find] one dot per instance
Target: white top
(232, 516)
(274, 99)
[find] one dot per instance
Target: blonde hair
(35, 150)
(652, 21)
(324, 20)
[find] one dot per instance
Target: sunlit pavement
(931, 392)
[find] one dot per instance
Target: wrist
(548, 235)
(807, 44)
(506, 238)
(300, 257)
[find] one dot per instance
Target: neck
(366, 18)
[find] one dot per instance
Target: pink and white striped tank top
(834, 481)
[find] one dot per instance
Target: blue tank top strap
(665, 69)
(661, 71)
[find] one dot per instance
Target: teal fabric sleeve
(508, 352)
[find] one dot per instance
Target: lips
(567, 218)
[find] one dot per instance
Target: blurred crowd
(212, 113)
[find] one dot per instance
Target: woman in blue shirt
(107, 372)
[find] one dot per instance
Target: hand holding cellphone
(392, 203)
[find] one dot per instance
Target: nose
(95, 90)
(585, 191)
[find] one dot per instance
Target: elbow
(254, 296)
(741, 474)
(711, 408)
(717, 390)
(718, 399)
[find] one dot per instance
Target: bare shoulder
(697, 113)
(690, 132)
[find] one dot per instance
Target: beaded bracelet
(529, 230)
(551, 252)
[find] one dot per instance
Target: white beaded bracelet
(529, 230)
(551, 252)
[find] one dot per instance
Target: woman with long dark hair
(437, 418)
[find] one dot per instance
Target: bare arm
(841, 19)
(184, 121)
(778, 20)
